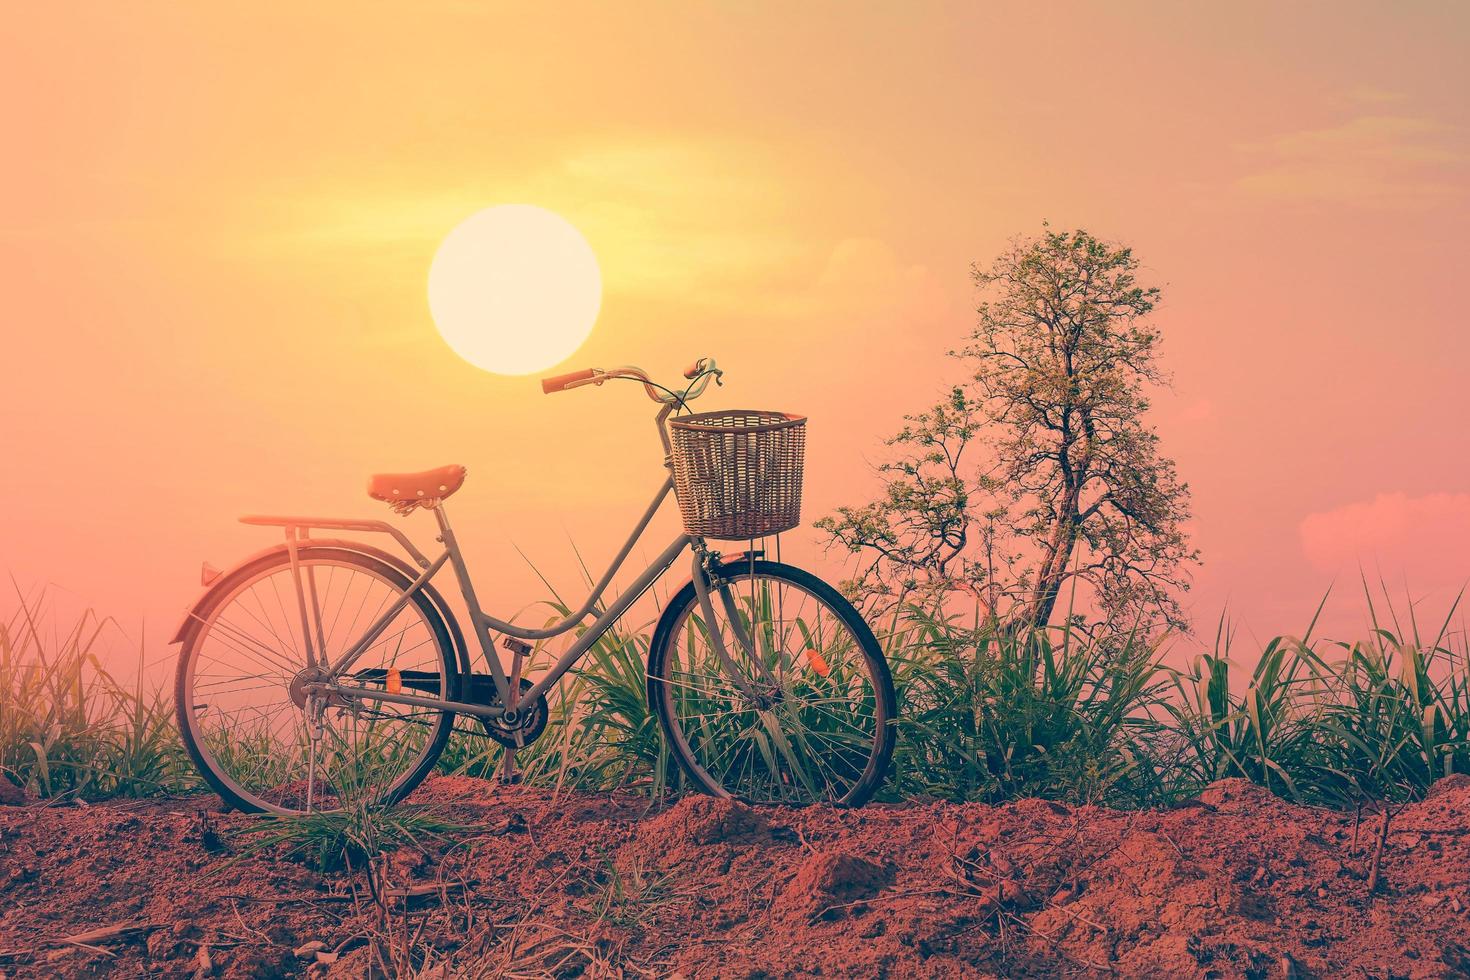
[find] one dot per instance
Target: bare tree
(1040, 469)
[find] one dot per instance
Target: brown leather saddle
(428, 487)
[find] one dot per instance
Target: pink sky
(215, 228)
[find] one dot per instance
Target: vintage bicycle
(323, 669)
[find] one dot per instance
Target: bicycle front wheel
(802, 712)
(266, 746)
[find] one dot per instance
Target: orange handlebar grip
(560, 382)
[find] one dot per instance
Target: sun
(514, 289)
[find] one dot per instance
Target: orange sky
(215, 229)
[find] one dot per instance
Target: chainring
(529, 724)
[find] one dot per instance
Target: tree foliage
(1038, 472)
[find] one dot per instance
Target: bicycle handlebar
(563, 381)
(700, 372)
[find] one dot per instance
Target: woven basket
(738, 473)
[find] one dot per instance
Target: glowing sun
(514, 289)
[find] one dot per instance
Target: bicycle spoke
(808, 737)
(259, 742)
(262, 654)
(285, 619)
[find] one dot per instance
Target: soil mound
(1455, 786)
(1236, 883)
(825, 885)
(11, 794)
(706, 820)
(1238, 796)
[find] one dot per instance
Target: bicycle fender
(726, 561)
(192, 616)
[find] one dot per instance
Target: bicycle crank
(521, 726)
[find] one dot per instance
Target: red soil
(1237, 883)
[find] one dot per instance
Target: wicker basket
(737, 473)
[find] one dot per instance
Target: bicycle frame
(484, 624)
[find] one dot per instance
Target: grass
(1338, 723)
(348, 837)
(361, 829)
(986, 714)
(352, 836)
(68, 727)
(600, 734)
(630, 896)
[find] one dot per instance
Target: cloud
(1371, 95)
(1376, 160)
(1425, 540)
(701, 220)
(866, 278)
(864, 288)
(717, 224)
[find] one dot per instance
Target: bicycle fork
(704, 576)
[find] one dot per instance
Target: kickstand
(508, 776)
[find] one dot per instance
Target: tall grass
(360, 828)
(68, 727)
(1330, 722)
(985, 714)
(988, 713)
(1267, 732)
(601, 733)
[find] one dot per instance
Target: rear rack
(292, 524)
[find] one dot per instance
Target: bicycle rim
(815, 729)
(259, 745)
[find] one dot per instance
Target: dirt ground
(1236, 883)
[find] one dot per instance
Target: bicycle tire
(662, 688)
(231, 585)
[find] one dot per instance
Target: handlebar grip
(560, 382)
(692, 371)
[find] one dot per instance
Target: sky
(216, 224)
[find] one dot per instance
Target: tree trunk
(1054, 569)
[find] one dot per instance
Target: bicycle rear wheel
(811, 722)
(246, 722)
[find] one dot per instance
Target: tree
(1038, 472)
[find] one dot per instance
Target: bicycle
(766, 682)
